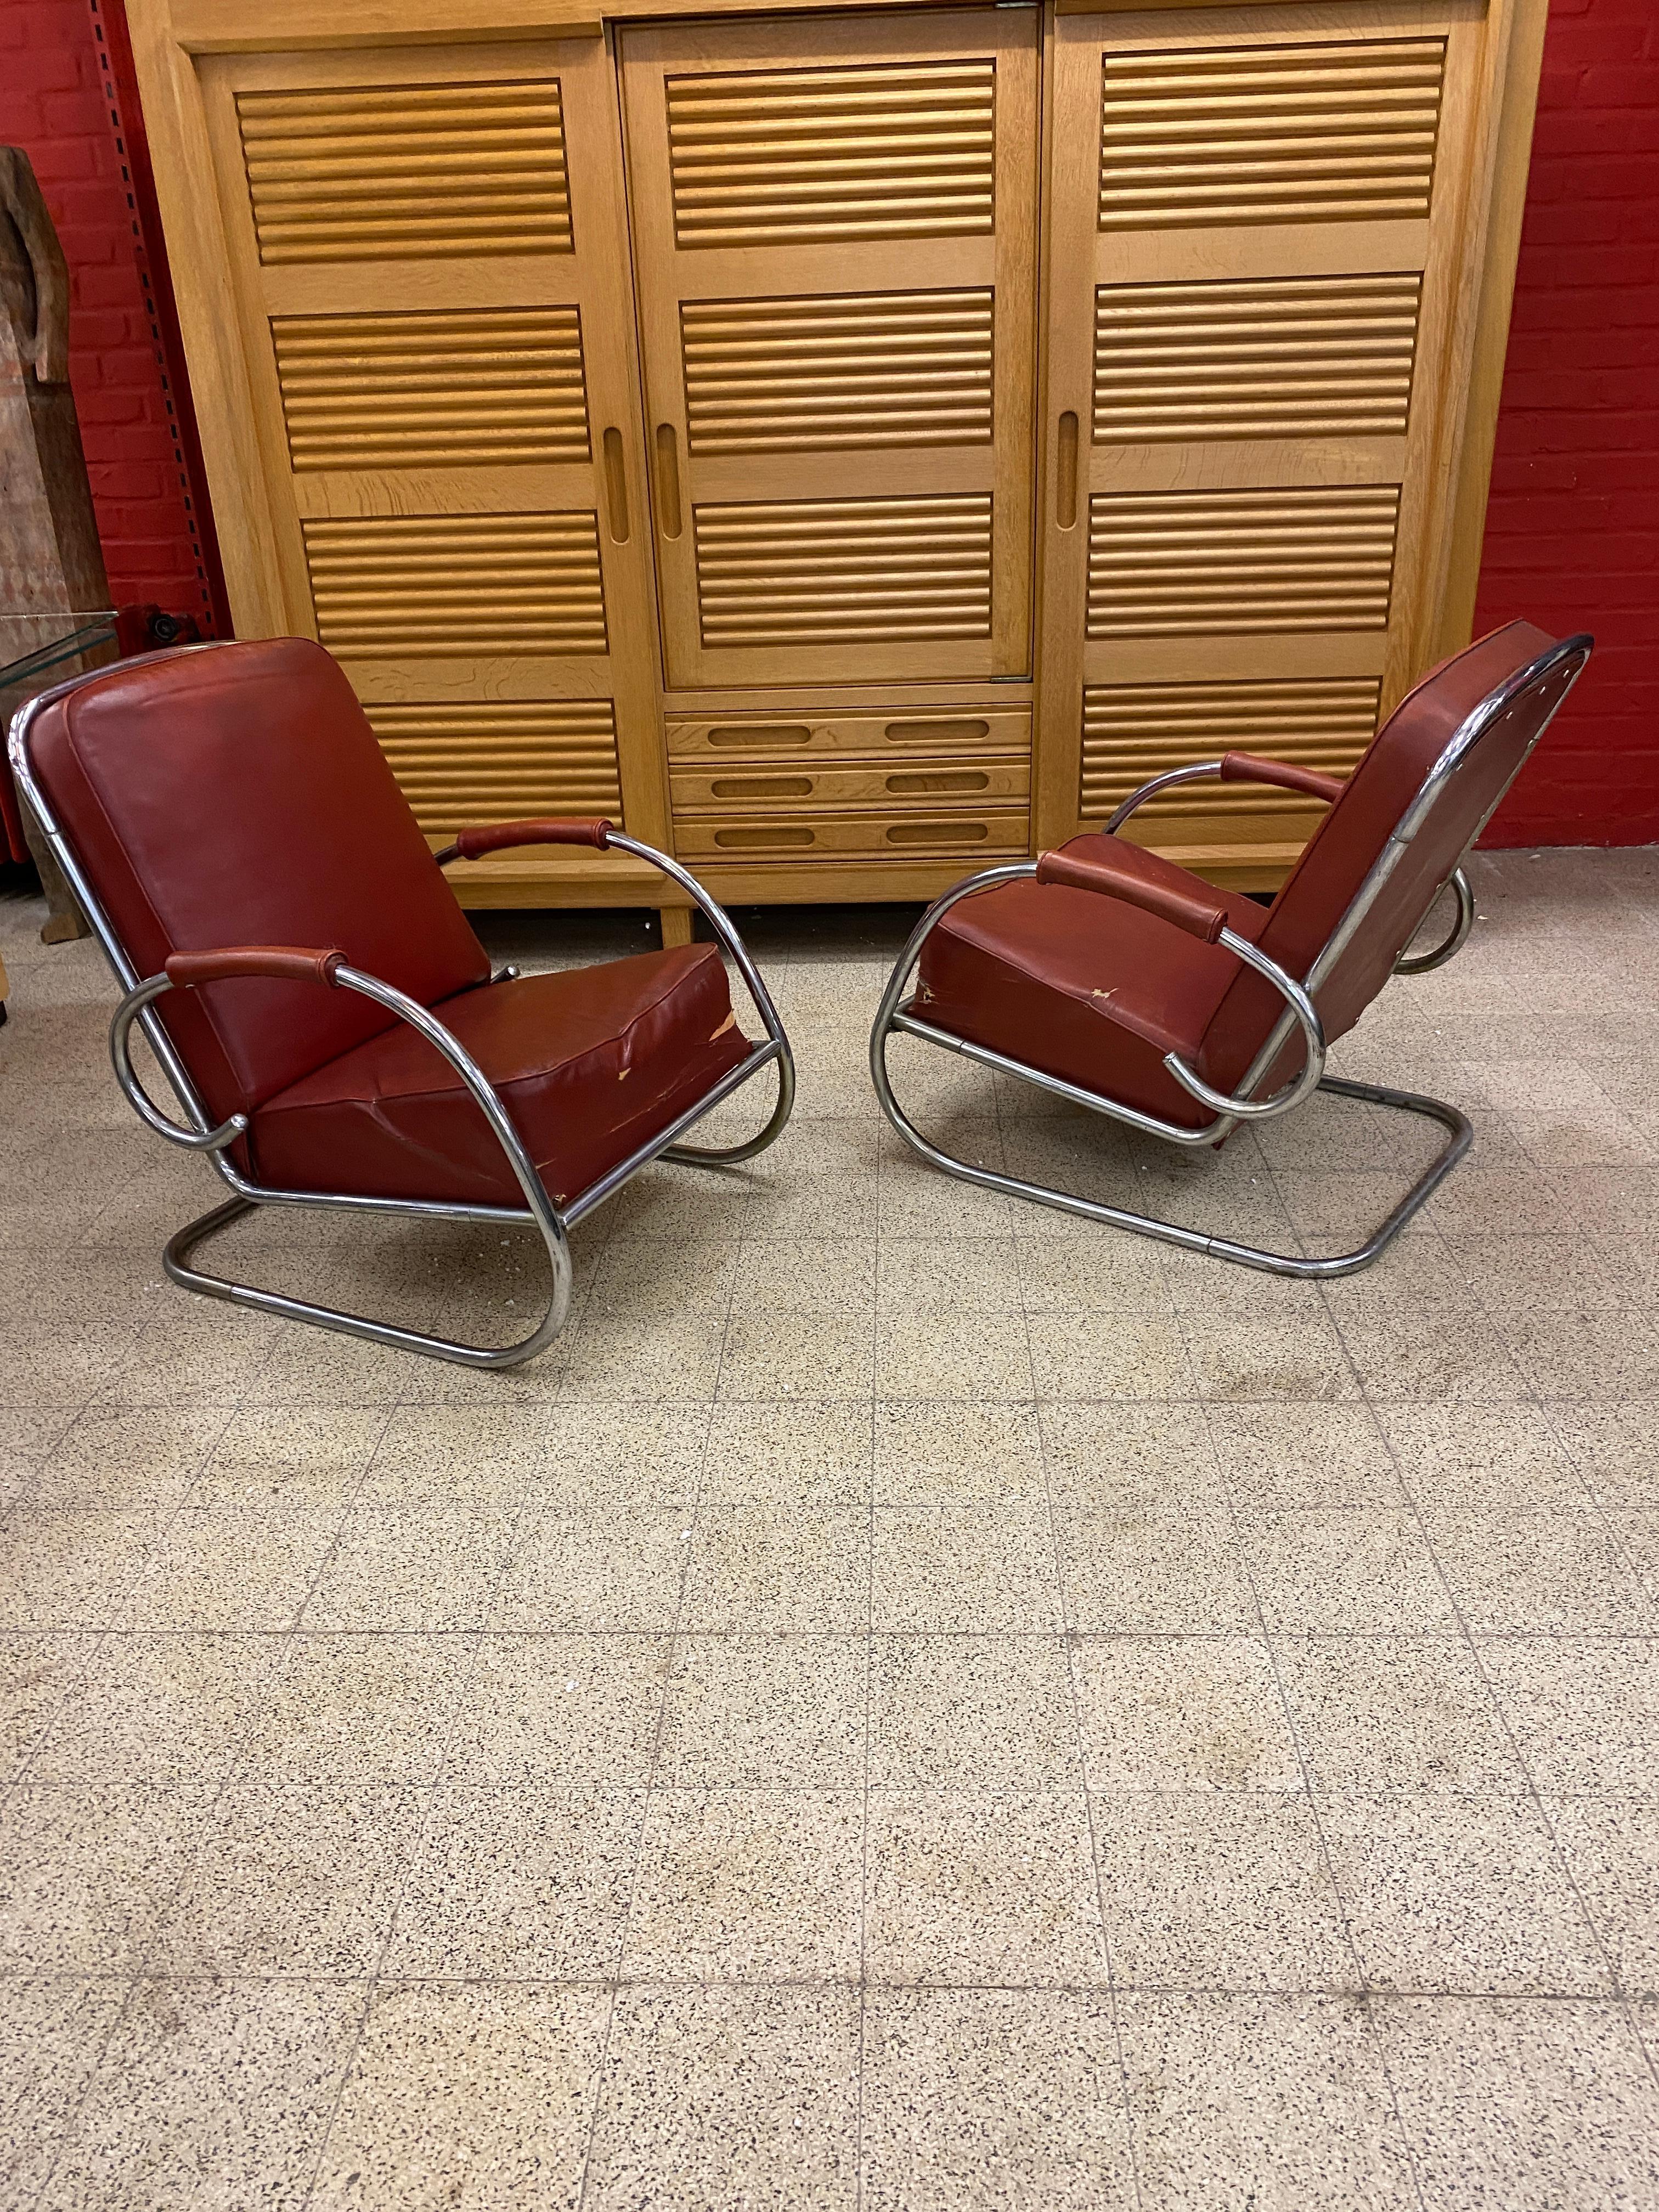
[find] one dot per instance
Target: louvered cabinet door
(1264, 234)
(428, 247)
(835, 263)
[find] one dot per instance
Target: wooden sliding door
(1264, 235)
(834, 223)
(427, 252)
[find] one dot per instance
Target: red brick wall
(67, 97)
(1572, 530)
(1572, 540)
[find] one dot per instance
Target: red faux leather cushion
(589, 1063)
(237, 796)
(1085, 987)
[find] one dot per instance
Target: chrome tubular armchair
(1107, 974)
(285, 939)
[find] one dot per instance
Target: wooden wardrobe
(848, 446)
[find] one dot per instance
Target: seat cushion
(590, 1063)
(1083, 986)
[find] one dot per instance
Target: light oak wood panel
(367, 172)
(1305, 357)
(488, 584)
(907, 150)
(1306, 432)
(1258, 216)
(429, 250)
(815, 841)
(820, 727)
(1259, 133)
(834, 225)
(850, 572)
(1132, 731)
(433, 389)
(1244, 563)
(808, 374)
(501, 762)
(737, 788)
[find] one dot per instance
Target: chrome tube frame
(1300, 1011)
(199, 1132)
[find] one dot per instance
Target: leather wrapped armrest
(1250, 768)
(1123, 871)
(549, 829)
(291, 963)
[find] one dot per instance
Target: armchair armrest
(1127, 873)
(289, 963)
(1251, 768)
(549, 829)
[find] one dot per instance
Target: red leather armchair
(1107, 974)
(319, 1001)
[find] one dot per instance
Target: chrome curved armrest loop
(1455, 942)
(1313, 1033)
(1197, 772)
(120, 1053)
(777, 1046)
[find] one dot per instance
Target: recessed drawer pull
(960, 732)
(761, 787)
(765, 840)
(939, 779)
(750, 734)
(938, 833)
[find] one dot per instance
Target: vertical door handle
(1066, 472)
(616, 487)
(668, 481)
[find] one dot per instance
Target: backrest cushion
(1342, 851)
(236, 796)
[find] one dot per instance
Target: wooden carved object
(52, 569)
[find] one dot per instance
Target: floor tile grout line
(617, 1980)
(1615, 1990)
(1068, 1657)
(69, 2126)
(428, 1799)
(1362, 1984)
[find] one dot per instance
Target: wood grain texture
(1249, 563)
(427, 249)
(495, 761)
(834, 235)
(1303, 357)
(1274, 208)
(1132, 732)
(852, 571)
(856, 151)
(433, 389)
(1266, 134)
(861, 369)
(378, 172)
(487, 584)
(833, 258)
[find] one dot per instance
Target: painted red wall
(1572, 536)
(67, 97)
(1572, 529)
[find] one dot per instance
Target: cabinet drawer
(746, 788)
(907, 730)
(992, 832)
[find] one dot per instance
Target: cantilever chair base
(200, 1132)
(1173, 1232)
(249, 1200)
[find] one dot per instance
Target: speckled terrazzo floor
(914, 1703)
